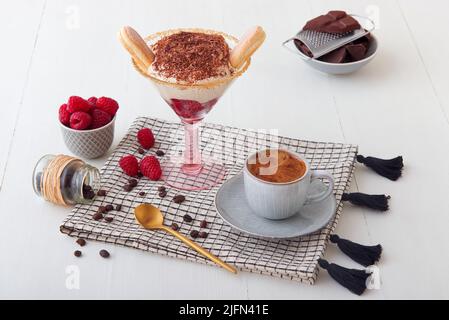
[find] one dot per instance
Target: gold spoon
(151, 218)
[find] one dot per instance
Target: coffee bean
(108, 219)
(132, 182)
(161, 188)
(87, 187)
(104, 253)
(77, 253)
(162, 194)
(118, 207)
(141, 193)
(127, 187)
(89, 194)
(139, 175)
(141, 151)
(187, 218)
(179, 198)
(194, 234)
(81, 242)
(203, 224)
(97, 216)
(102, 209)
(174, 226)
(101, 193)
(109, 207)
(160, 153)
(203, 234)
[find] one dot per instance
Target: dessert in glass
(191, 69)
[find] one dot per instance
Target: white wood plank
(15, 62)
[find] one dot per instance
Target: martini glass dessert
(191, 69)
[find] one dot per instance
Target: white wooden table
(399, 104)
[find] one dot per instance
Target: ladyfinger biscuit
(247, 45)
(137, 47)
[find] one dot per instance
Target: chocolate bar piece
(333, 22)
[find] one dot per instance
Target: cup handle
(320, 196)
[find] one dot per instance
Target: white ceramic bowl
(342, 68)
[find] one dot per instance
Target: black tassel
(352, 279)
(372, 201)
(365, 255)
(391, 169)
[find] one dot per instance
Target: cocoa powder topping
(191, 56)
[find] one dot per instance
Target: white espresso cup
(276, 201)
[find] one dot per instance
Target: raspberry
(76, 103)
(146, 138)
(151, 168)
(107, 105)
(80, 120)
(129, 165)
(64, 115)
(92, 101)
(99, 118)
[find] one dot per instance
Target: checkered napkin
(291, 259)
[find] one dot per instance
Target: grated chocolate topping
(192, 56)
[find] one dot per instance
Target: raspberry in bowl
(87, 126)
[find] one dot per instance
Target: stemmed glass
(192, 102)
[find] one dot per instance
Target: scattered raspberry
(107, 105)
(76, 103)
(64, 115)
(151, 168)
(129, 165)
(99, 118)
(92, 101)
(146, 138)
(80, 120)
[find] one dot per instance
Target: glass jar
(74, 181)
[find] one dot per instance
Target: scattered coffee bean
(81, 242)
(101, 193)
(97, 216)
(160, 153)
(109, 207)
(174, 226)
(203, 224)
(118, 207)
(108, 219)
(162, 194)
(203, 234)
(89, 194)
(104, 253)
(102, 209)
(161, 188)
(179, 198)
(141, 193)
(77, 253)
(141, 151)
(139, 175)
(194, 234)
(132, 182)
(127, 187)
(187, 218)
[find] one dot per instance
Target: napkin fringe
(352, 279)
(388, 168)
(373, 201)
(364, 255)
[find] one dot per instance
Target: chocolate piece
(333, 22)
(356, 51)
(81, 242)
(336, 56)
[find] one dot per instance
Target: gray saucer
(233, 208)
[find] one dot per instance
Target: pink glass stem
(192, 154)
